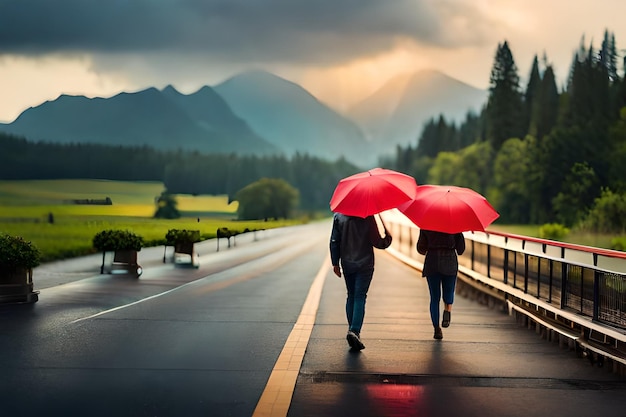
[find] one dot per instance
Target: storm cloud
(322, 32)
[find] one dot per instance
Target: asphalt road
(210, 341)
(176, 342)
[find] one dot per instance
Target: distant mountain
(161, 119)
(254, 112)
(211, 112)
(374, 112)
(396, 113)
(292, 119)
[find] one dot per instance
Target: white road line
(246, 270)
(131, 304)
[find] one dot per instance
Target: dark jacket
(441, 251)
(352, 241)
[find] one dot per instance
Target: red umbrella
(449, 209)
(371, 192)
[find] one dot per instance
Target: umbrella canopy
(449, 209)
(371, 192)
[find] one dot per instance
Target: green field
(129, 198)
(576, 237)
(26, 206)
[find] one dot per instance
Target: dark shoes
(438, 333)
(354, 341)
(445, 322)
(446, 319)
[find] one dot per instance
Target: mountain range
(164, 119)
(254, 112)
(396, 113)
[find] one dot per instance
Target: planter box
(124, 262)
(185, 254)
(16, 286)
(183, 241)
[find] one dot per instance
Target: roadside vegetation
(40, 211)
(578, 237)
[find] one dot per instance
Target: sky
(339, 50)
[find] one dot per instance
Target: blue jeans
(357, 284)
(439, 284)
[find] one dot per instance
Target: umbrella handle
(383, 223)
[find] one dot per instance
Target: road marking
(222, 279)
(276, 397)
(130, 304)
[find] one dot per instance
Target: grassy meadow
(25, 207)
(597, 240)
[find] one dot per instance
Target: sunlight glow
(346, 85)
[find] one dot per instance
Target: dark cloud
(305, 31)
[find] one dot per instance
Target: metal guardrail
(576, 292)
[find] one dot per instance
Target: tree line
(181, 172)
(540, 153)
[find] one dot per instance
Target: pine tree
(545, 108)
(447, 136)
(608, 55)
(470, 130)
(505, 101)
(588, 91)
(608, 59)
(428, 145)
(532, 95)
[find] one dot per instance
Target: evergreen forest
(541, 153)
(181, 172)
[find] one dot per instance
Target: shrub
(114, 240)
(553, 231)
(226, 232)
(16, 252)
(267, 198)
(608, 214)
(618, 243)
(182, 236)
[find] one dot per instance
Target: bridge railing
(587, 281)
(577, 291)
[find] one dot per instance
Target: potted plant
(125, 245)
(183, 241)
(225, 232)
(18, 257)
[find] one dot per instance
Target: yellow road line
(276, 397)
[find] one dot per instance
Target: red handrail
(583, 248)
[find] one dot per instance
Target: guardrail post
(505, 278)
(563, 279)
(596, 294)
(525, 273)
(488, 260)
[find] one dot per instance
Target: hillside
(396, 113)
(292, 119)
(162, 120)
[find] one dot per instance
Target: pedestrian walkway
(486, 364)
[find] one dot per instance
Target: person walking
(352, 243)
(440, 269)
